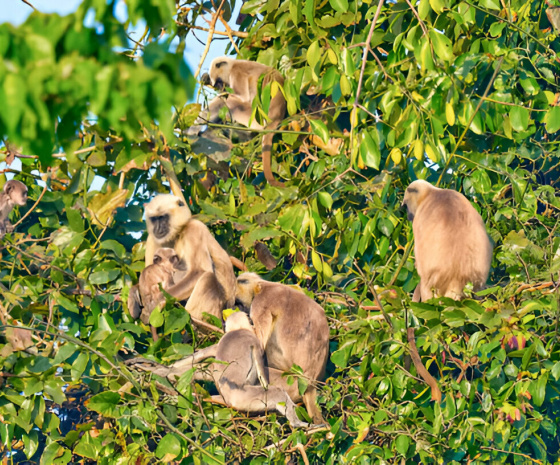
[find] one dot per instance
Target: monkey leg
(310, 401)
(276, 379)
(207, 297)
(253, 399)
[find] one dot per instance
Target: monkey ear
(258, 288)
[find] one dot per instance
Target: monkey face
(160, 226)
(167, 257)
(165, 216)
(17, 191)
(248, 285)
(414, 195)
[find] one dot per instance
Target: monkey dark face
(160, 225)
(219, 84)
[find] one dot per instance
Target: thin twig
(33, 207)
(240, 34)
(29, 4)
(215, 17)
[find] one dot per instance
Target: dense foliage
(462, 93)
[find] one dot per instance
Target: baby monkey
(239, 372)
(146, 295)
(14, 193)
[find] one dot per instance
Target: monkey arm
(257, 363)
(184, 288)
(181, 366)
(134, 302)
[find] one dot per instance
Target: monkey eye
(181, 203)
(157, 259)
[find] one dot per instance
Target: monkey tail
(266, 156)
(428, 378)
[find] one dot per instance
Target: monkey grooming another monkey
(451, 246)
(208, 281)
(14, 193)
(242, 76)
(239, 372)
(292, 329)
(146, 295)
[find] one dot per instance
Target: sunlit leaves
(519, 117)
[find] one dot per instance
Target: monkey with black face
(146, 295)
(242, 76)
(14, 193)
(240, 373)
(208, 280)
(451, 245)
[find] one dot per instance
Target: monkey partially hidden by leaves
(242, 76)
(147, 295)
(239, 371)
(14, 193)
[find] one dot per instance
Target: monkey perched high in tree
(242, 76)
(451, 247)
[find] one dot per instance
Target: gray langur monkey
(208, 280)
(292, 329)
(147, 295)
(242, 76)
(451, 245)
(239, 371)
(14, 193)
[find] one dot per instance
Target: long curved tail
(266, 159)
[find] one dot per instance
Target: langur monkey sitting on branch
(451, 246)
(207, 279)
(14, 193)
(146, 295)
(239, 372)
(242, 76)
(292, 329)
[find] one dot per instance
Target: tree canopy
(465, 94)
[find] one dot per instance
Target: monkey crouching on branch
(147, 295)
(239, 372)
(207, 281)
(242, 76)
(451, 246)
(14, 193)
(292, 329)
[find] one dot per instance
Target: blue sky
(16, 12)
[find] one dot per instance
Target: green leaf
(519, 117)
(105, 403)
(442, 46)
(156, 317)
(339, 5)
(401, 444)
(168, 448)
(325, 199)
(552, 120)
(369, 151)
(319, 128)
